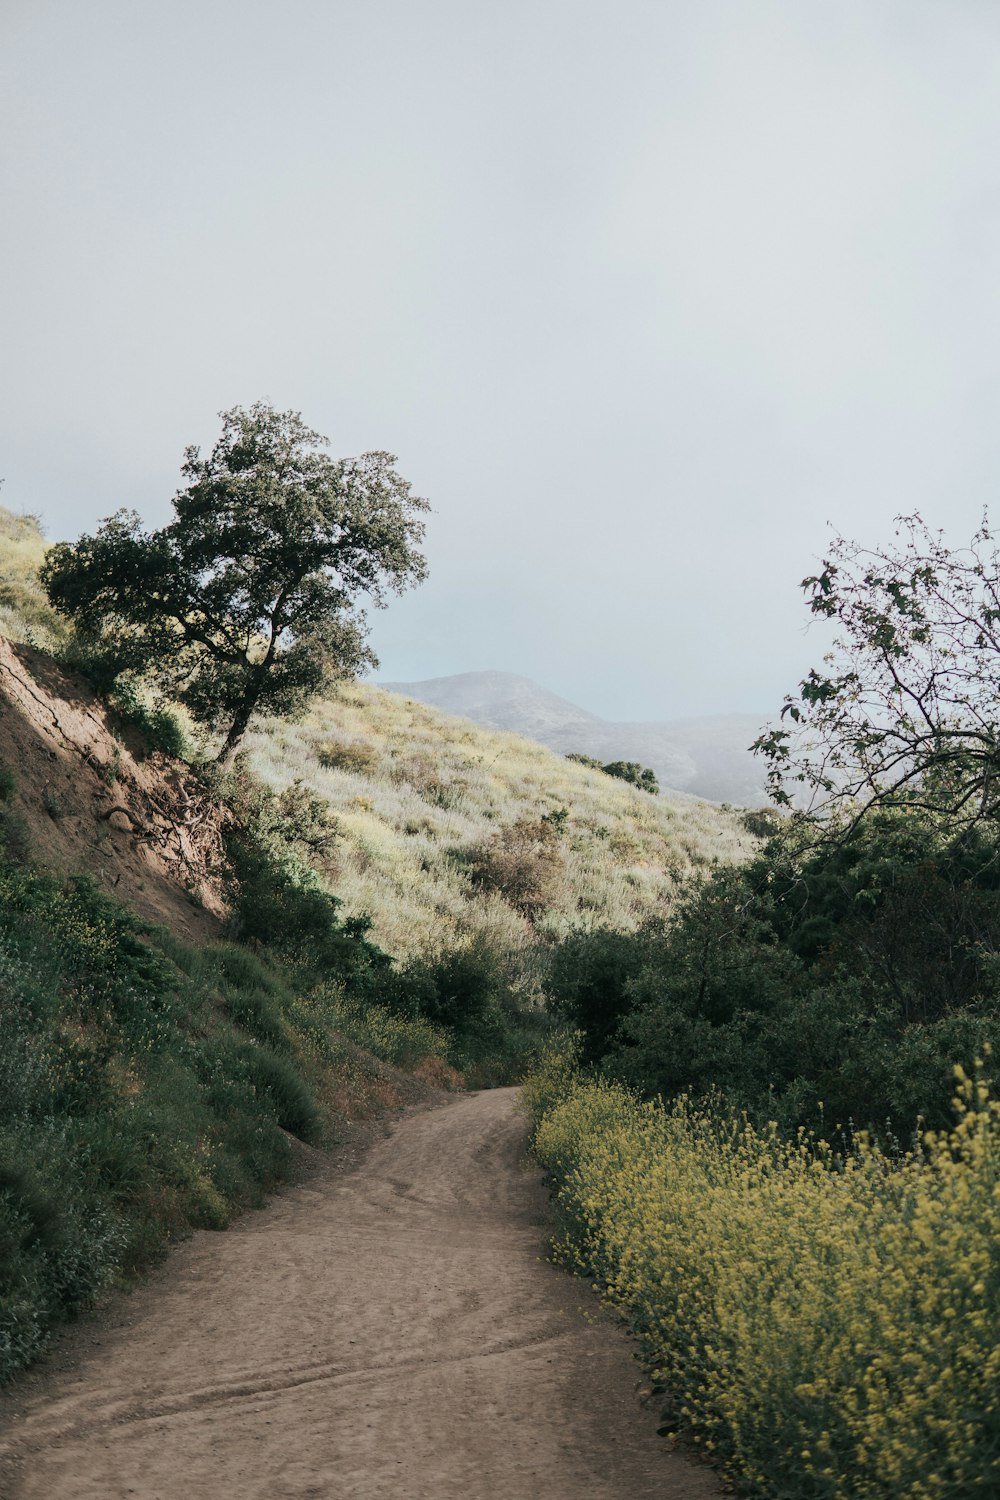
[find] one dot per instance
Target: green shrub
(157, 722)
(763, 822)
(398, 1039)
(589, 979)
(294, 1107)
(580, 759)
(632, 772)
(839, 983)
(132, 1103)
(287, 910)
(624, 770)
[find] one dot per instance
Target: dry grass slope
(25, 613)
(416, 791)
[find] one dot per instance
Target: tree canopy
(250, 599)
(906, 708)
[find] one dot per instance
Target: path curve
(394, 1330)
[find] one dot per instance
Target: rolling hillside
(417, 792)
(705, 757)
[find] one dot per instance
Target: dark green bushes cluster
(157, 722)
(831, 983)
(276, 844)
(280, 906)
(625, 770)
(144, 1087)
(470, 996)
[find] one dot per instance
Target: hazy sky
(643, 295)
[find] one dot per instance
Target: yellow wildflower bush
(826, 1325)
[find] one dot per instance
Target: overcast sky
(643, 295)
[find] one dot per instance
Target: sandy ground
(392, 1329)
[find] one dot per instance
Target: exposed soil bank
(393, 1330)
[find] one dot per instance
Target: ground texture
(389, 1327)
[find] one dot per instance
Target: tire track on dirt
(392, 1331)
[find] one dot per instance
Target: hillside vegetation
(704, 757)
(824, 1324)
(157, 1057)
(781, 1158)
(443, 841)
(25, 612)
(419, 794)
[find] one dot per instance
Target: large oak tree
(252, 597)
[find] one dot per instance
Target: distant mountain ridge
(704, 757)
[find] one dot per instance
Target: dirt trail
(393, 1330)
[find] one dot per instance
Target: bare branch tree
(906, 708)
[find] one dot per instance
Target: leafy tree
(906, 708)
(589, 980)
(247, 602)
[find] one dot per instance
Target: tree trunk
(237, 730)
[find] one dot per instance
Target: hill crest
(705, 756)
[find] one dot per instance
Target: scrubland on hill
(25, 612)
(417, 794)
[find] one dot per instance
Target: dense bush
(523, 863)
(156, 720)
(469, 997)
(355, 756)
(624, 770)
(839, 981)
(291, 913)
(631, 771)
(276, 844)
(826, 1326)
(589, 983)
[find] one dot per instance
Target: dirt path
(390, 1331)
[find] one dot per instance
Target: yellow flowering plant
(825, 1324)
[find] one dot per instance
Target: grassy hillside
(25, 613)
(419, 797)
(147, 1085)
(419, 794)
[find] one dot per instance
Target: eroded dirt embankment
(93, 800)
(389, 1330)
